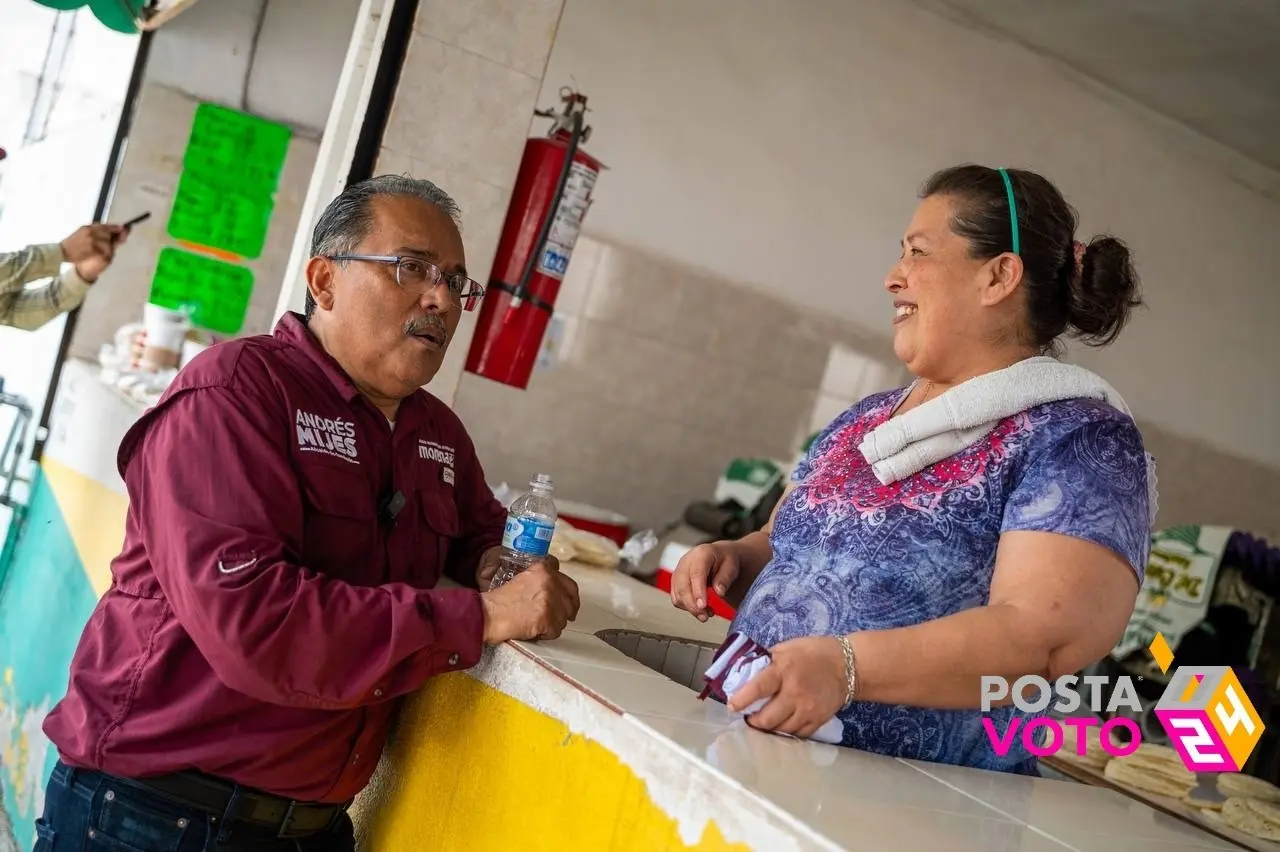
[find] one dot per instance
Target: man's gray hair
(348, 218)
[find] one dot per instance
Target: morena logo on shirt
(332, 436)
(431, 451)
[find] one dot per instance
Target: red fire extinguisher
(550, 199)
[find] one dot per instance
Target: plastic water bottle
(531, 522)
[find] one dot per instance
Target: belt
(233, 804)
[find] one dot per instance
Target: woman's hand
(805, 685)
(715, 565)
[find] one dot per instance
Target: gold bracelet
(850, 670)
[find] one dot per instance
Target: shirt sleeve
(482, 520)
(1090, 484)
(29, 308)
(220, 510)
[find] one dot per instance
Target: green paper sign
(231, 170)
(237, 149)
(209, 214)
(216, 292)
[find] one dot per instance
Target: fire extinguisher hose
(518, 293)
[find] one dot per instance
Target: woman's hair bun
(1105, 293)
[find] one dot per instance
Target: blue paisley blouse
(851, 554)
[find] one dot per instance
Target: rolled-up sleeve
(30, 308)
(221, 511)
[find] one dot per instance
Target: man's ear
(1003, 275)
(320, 281)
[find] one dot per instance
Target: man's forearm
(20, 268)
(940, 663)
(28, 310)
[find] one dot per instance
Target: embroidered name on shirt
(333, 437)
(431, 451)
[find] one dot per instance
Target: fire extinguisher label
(567, 223)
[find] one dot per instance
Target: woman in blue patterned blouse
(1022, 554)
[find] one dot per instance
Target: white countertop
(799, 795)
(695, 758)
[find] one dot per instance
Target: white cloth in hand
(742, 671)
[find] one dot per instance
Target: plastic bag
(633, 552)
(505, 495)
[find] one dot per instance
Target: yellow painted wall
(473, 769)
(95, 516)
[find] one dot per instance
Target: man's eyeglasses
(419, 276)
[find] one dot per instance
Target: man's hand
(535, 604)
(491, 560)
(92, 248)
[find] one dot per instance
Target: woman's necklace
(928, 389)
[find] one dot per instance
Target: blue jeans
(86, 811)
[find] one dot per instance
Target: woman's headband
(1013, 209)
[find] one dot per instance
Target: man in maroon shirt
(294, 501)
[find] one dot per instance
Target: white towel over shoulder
(965, 414)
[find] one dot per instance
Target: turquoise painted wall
(45, 601)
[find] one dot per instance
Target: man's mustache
(427, 323)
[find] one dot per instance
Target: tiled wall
(147, 181)
(462, 110)
(663, 375)
(1201, 485)
(664, 372)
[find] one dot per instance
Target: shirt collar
(292, 329)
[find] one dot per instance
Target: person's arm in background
(89, 251)
(220, 508)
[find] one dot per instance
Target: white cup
(166, 330)
(192, 348)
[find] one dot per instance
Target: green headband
(1013, 209)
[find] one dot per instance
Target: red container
(603, 522)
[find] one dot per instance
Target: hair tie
(1079, 248)
(1013, 210)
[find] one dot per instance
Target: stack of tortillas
(1153, 768)
(1230, 785)
(1253, 816)
(1235, 785)
(1094, 757)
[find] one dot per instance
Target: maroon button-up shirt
(268, 609)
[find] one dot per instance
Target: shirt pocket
(440, 526)
(340, 533)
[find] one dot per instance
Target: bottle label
(530, 536)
